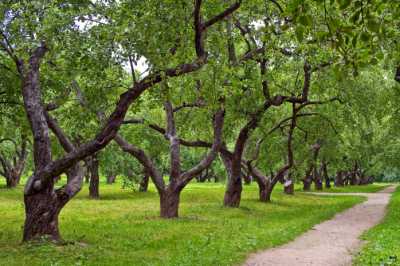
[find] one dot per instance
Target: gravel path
(329, 242)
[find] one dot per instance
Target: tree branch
(15, 144)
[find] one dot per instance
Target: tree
(12, 172)
(43, 203)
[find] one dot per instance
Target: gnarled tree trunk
(94, 180)
(111, 178)
(11, 172)
(327, 181)
(339, 179)
(288, 186)
(169, 195)
(307, 180)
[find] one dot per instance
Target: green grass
(123, 228)
(348, 189)
(383, 247)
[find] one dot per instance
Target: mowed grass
(383, 247)
(123, 227)
(348, 189)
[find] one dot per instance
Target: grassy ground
(123, 228)
(349, 189)
(383, 247)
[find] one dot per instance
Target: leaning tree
(39, 44)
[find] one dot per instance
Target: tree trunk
(327, 181)
(58, 178)
(361, 180)
(318, 184)
(198, 178)
(87, 175)
(307, 180)
(339, 179)
(42, 212)
(289, 186)
(233, 193)
(169, 203)
(246, 178)
(317, 179)
(111, 178)
(234, 187)
(12, 181)
(353, 179)
(94, 180)
(70, 174)
(145, 181)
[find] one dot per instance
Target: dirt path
(329, 242)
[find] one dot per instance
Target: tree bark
(169, 203)
(111, 178)
(234, 186)
(169, 195)
(327, 181)
(246, 178)
(339, 179)
(94, 180)
(307, 180)
(144, 184)
(13, 172)
(289, 186)
(318, 175)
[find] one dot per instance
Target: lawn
(383, 247)
(348, 189)
(123, 228)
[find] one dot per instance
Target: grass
(383, 246)
(348, 189)
(123, 228)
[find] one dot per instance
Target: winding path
(329, 242)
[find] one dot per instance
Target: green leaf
(310, 21)
(334, 25)
(321, 35)
(373, 26)
(303, 21)
(362, 64)
(374, 61)
(354, 41)
(398, 47)
(355, 17)
(365, 36)
(336, 69)
(299, 33)
(339, 76)
(380, 56)
(285, 27)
